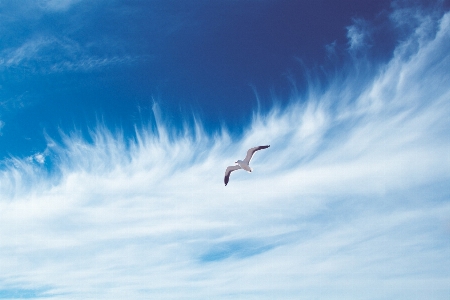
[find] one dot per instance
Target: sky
(119, 118)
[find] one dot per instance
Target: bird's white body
(244, 165)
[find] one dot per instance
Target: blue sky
(118, 119)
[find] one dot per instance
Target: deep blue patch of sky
(205, 57)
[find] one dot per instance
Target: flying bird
(243, 164)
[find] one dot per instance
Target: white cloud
(30, 50)
(57, 5)
(2, 124)
(349, 202)
(35, 9)
(37, 50)
(331, 50)
(359, 35)
(37, 157)
(48, 54)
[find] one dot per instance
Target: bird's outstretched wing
(228, 172)
(252, 151)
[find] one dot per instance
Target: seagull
(243, 164)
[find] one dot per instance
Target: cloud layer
(50, 55)
(38, 50)
(349, 202)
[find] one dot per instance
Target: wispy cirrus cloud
(2, 124)
(50, 54)
(36, 9)
(349, 202)
(57, 5)
(359, 35)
